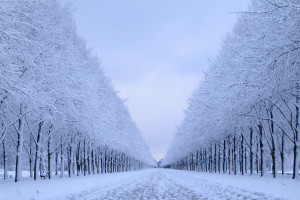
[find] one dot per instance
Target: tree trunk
(262, 163)
(106, 162)
(110, 162)
(296, 140)
(205, 159)
(234, 155)
(197, 161)
(78, 158)
(4, 160)
(229, 153)
(273, 150)
(201, 160)
(210, 159)
(191, 163)
(256, 157)
(71, 159)
(251, 151)
(49, 157)
(62, 160)
(224, 157)
(74, 163)
(93, 161)
(20, 132)
(239, 159)
(282, 154)
(42, 163)
(89, 159)
(56, 162)
(84, 158)
(102, 163)
(242, 155)
(98, 162)
(30, 157)
(37, 153)
(81, 164)
(245, 168)
(219, 159)
(215, 158)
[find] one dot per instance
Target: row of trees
(57, 108)
(246, 113)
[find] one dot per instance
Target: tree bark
(219, 159)
(234, 155)
(273, 150)
(205, 160)
(4, 160)
(256, 157)
(20, 132)
(78, 158)
(224, 157)
(98, 162)
(262, 163)
(242, 155)
(251, 151)
(89, 158)
(93, 161)
(70, 159)
(84, 158)
(197, 161)
(229, 153)
(62, 160)
(215, 158)
(201, 160)
(30, 157)
(37, 152)
(102, 162)
(296, 140)
(49, 157)
(245, 167)
(56, 162)
(282, 154)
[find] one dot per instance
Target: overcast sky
(156, 52)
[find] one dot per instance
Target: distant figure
(44, 175)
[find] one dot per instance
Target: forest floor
(154, 184)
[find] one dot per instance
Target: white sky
(156, 52)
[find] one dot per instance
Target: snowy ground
(154, 184)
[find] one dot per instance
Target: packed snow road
(154, 184)
(167, 184)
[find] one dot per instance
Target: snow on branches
(56, 104)
(248, 105)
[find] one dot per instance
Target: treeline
(58, 111)
(244, 117)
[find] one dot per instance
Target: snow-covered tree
(57, 107)
(248, 104)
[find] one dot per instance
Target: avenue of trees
(245, 116)
(58, 110)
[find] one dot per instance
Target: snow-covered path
(154, 184)
(163, 184)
